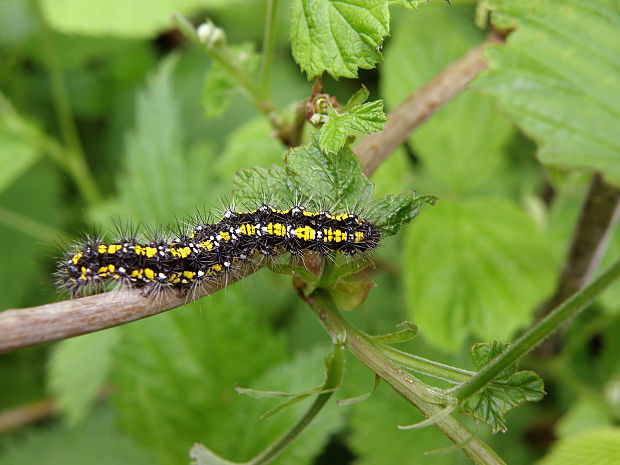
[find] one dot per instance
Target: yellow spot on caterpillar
(183, 252)
(225, 235)
(308, 213)
(76, 257)
(136, 273)
(335, 235)
(189, 274)
(359, 236)
(306, 233)
(139, 250)
(103, 271)
(150, 274)
(113, 248)
(150, 251)
(206, 244)
(102, 248)
(342, 216)
(248, 229)
(277, 229)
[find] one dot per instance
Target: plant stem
(75, 158)
(268, 43)
(427, 367)
(537, 333)
(255, 93)
(416, 392)
(74, 166)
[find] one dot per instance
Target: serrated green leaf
(77, 371)
(338, 37)
(490, 404)
(475, 267)
(331, 179)
(154, 183)
(461, 147)
(483, 352)
(509, 389)
(409, 4)
(365, 118)
(357, 98)
(97, 442)
(600, 447)
(136, 19)
(391, 212)
(219, 86)
(260, 183)
(559, 89)
(17, 155)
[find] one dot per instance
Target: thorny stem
(537, 333)
(254, 92)
(268, 43)
(414, 391)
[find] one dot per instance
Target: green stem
(268, 43)
(222, 55)
(33, 228)
(427, 367)
(537, 333)
(75, 158)
(75, 167)
(414, 391)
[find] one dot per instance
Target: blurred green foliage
(474, 267)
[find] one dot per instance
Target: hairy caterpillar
(208, 251)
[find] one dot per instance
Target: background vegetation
(108, 113)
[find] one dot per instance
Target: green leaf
(136, 19)
(366, 118)
(461, 147)
(154, 183)
(97, 442)
(335, 180)
(410, 4)
(219, 86)
(391, 212)
(509, 389)
(338, 37)
(600, 447)
(260, 183)
(585, 414)
(475, 267)
(77, 371)
(561, 89)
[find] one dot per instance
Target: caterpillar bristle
(195, 252)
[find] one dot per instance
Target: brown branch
(373, 149)
(25, 327)
(26, 414)
(599, 215)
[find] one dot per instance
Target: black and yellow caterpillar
(207, 251)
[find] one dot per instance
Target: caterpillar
(208, 251)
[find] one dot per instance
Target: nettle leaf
(476, 267)
(78, 370)
(336, 36)
(561, 89)
(366, 118)
(219, 87)
(393, 211)
(331, 179)
(509, 389)
(600, 446)
(154, 182)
